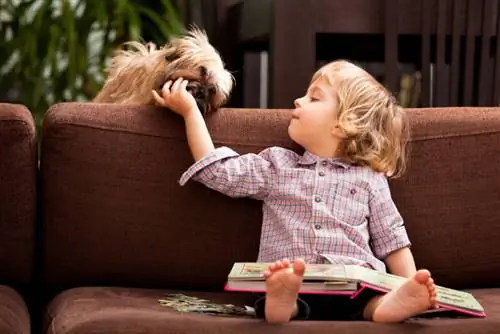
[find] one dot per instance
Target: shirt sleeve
(232, 174)
(386, 226)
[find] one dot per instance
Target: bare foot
(282, 287)
(416, 295)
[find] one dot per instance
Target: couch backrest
(114, 213)
(18, 179)
(450, 196)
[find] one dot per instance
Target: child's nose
(296, 103)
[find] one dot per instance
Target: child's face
(314, 120)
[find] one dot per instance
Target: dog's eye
(203, 71)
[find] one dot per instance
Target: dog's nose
(211, 91)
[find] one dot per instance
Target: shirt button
(317, 226)
(317, 199)
(353, 191)
(324, 163)
(321, 173)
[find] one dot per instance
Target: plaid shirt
(323, 210)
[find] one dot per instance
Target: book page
(253, 271)
(458, 298)
(383, 280)
(389, 282)
(247, 271)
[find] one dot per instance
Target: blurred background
(427, 52)
(55, 50)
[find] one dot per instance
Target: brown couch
(18, 170)
(117, 231)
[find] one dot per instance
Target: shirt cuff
(213, 156)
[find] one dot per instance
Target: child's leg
(415, 296)
(282, 288)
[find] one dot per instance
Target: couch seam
(143, 134)
(426, 138)
(455, 135)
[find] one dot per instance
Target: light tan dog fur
(137, 70)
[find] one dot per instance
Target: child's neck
(326, 152)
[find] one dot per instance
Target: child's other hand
(176, 98)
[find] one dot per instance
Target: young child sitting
(331, 204)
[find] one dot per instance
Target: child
(330, 205)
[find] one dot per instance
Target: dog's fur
(133, 73)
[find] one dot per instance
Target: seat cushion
(14, 316)
(122, 310)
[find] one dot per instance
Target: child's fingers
(176, 84)
(166, 88)
(158, 98)
(183, 85)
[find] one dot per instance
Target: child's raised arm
(178, 99)
(221, 169)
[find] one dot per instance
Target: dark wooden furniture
(451, 43)
(459, 60)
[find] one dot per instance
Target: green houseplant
(56, 50)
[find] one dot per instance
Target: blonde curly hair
(375, 128)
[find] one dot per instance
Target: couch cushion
(14, 316)
(120, 310)
(110, 176)
(18, 170)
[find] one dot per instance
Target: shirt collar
(310, 159)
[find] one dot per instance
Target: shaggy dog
(134, 72)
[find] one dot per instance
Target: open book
(346, 280)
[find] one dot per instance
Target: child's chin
(292, 133)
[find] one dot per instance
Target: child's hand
(176, 98)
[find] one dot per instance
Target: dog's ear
(171, 58)
(171, 55)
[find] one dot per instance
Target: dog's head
(133, 73)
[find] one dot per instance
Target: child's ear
(337, 131)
